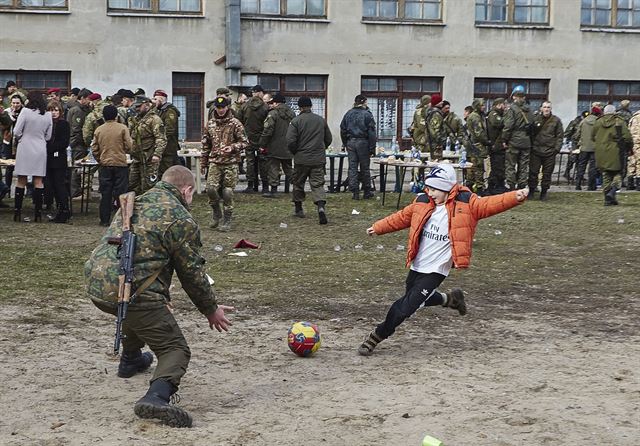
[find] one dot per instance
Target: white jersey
(434, 254)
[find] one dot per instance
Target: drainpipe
(232, 43)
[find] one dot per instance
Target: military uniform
(149, 140)
(633, 170)
(169, 115)
(274, 139)
(252, 116)
(476, 124)
(436, 134)
(516, 131)
(495, 123)
(76, 117)
(168, 241)
(569, 133)
(607, 150)
(546, 145)
(418, 128)
(222, 145)
(586, 157)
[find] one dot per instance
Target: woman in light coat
(32, 131)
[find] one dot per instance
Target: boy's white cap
(441, 177)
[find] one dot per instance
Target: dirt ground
(506, 380)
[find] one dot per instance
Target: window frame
(154, 10)
(283, 7)
(400, 95)
(401, 12)
(20, 75)
(510, 14)
(610, 97)
(17, 7)
(196, 93)
(282, 88)
(489, 97)
(613, 22)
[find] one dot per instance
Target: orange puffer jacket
(465, 209)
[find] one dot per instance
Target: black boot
(579, 184)
(298, 212)
(355, 196)
(250, 188)
(322, 213)
(543, 195)
(610, 197)
(17, 209)
(368, 195)
(62, 216)
(134, 362)
(631, 183)
(38, 195)
(270, 193)
(155, 404)
(286, 185)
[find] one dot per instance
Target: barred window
(537, 90)
(610, 13)
(39, 81)
(608, 92)
(288, 8)
(188, 97)
(513, 12)
(427, 10)
(292, 86)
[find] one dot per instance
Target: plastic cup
(428, 440)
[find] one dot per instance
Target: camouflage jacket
(168, 240)
(476, 123)
(549, 135)
(572, 129)
(223, 140)
(518, 121)
(148, 134)
(436, 136)
(455, 130)
(92, 122)
(124, 113)
(418, 126)
(495, 124)
(274, 134)
(625, 114)
(169, 115)
(76, 117)
(634, 128)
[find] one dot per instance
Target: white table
(197, 155)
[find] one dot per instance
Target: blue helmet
(518, 90)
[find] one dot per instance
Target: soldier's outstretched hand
(218, 320)
(522, 194)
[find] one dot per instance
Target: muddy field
(549, 353)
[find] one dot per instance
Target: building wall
(105, 52)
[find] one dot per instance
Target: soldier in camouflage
(169, 115)
(624, 112)
(94, 118)
(477, 127)
(149, 142)
(546, 145)
(76, 117)
(124, 110)
(496, 150)
(273, 139)
(516, 139)
(222, 143)
(569, 133)
(252, 116)
(418, 127)
(453, 127)
(633, 169)
(436, 135)
(168, 241)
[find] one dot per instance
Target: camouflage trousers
(142, 176)
(545, 162)
(256, 166)
(273, 166)
(315, 174)
(222, 180)
(517, 167)
(633, 165)
(435, 153)
(475, 175)
(611, 178)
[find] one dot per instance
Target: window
(393, 102)
(39, 81)
(289, 8)
(537, 90)
(188, 94)
(513, 12)
(157, 6)
(608, 92)
(292, 86)
(428, 10)
(610, 13)
(53, 5)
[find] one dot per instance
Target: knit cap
(441, 177)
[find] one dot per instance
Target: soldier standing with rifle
(149, 143)
(166, 239)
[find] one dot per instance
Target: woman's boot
(38, 195)
(17, 210)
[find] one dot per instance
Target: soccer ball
(304, 338)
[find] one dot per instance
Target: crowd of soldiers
(518, 145)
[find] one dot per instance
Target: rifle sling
(145, 285)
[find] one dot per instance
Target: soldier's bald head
(179, 176)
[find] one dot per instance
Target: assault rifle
(126, 247)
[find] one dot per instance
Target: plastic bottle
(448, 144)
(69, 157)
(463, 157)
(457, 146)
(395, 148)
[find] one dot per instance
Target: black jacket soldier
(168, 241)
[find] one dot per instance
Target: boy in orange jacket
(441, 225)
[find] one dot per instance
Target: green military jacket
(495, 123)
(454, 129)
(93, 121)
(549, 135)
(168, 240)
(477, 128)
(76, 117)
(252, 116)
(418, 126)
(517, 123)
(148, 134)
(582, 136)
(606, 141)
(274, 134)
(571, 130)
(223, 140)
(169, 115)
(308, 136)
(436, 136)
